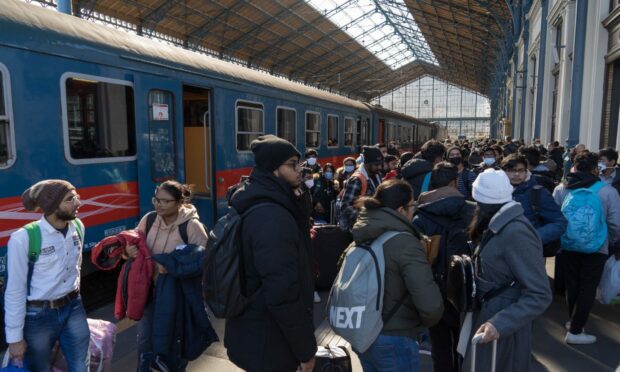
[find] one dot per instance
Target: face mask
(349, 168)
(309, 183)
(311, 161)
(328, 175)
(489, 161)
(456, 160)
(601, 167)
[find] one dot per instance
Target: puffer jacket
(134, 281)
(406, 271)
(181, 324)
(549, 221)
(414, 172)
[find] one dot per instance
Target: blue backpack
(587, 229)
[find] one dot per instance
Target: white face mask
(311, 161)
(489, 161)
(309, 183)
(601, 167)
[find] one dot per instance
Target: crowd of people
(506, 204)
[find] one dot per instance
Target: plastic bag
(609, 288)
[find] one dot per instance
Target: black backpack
(463, 282)
(222, 280)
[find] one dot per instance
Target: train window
(161, 136)
(313, 129)
(249, 124)
(365, 133)
(286, 126)
(99, 119)
(7, 135)
(349, 132)
(333, 136)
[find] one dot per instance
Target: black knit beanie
(372, 155)
(270, 152)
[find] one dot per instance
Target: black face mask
(456, 161)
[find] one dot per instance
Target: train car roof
(398, 115)
(14, 11)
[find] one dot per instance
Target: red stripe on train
(230, 177)
(100, 204)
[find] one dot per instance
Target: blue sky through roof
(386, 28)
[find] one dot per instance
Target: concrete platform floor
(550, 353)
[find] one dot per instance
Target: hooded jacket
(549, 222)
(414, 172)
(135, 279)
(276, 330)
(609, 198)
(443, 206)
(163, 238)
(406, 271)
(181, 324)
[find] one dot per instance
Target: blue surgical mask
(489, 161)
(329, 175)
(311, 161)
(309, 183)
(349, 168)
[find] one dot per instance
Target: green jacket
(406, 270)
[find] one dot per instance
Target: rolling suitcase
(328, 244)
(474, 342)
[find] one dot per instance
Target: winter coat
(549, 222)
(324, 193)
(414, 172)
(465, 181)
(609, 199)
(134, 282)
(512, 254)
(276, 331)
(163, 238)
(181, 324)
(406, 272)
(444, 206)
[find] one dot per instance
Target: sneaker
(580, 339)
(317, 298)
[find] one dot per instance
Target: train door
(197, 132)
(381, 130)
(157, 127)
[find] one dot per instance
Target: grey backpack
(355, 302)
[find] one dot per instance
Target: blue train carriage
(408, 132)
(116, 114)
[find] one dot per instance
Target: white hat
(492, 187)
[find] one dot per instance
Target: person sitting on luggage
(445, 212)
(511, 276)
(176, 219)
(409, 288)
(539, 207)
(324, 195)
(583, 265)
(362, 183)
(42, 302)
(343, 173)
(466, 177)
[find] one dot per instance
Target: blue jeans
(391, 353)
(44, 326)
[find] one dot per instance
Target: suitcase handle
(474, 342)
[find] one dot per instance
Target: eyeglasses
(293, 164)
(516, 171)
(75, 199)
(158, 201)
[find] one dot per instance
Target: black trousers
(444, 339)
(582, 275)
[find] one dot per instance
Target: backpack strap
(183, 232)
(426, 184)
(34, 249)
(150, 220)
(79, 228)
(363, 180)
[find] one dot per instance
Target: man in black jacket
(276, 331)
(444, 211)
